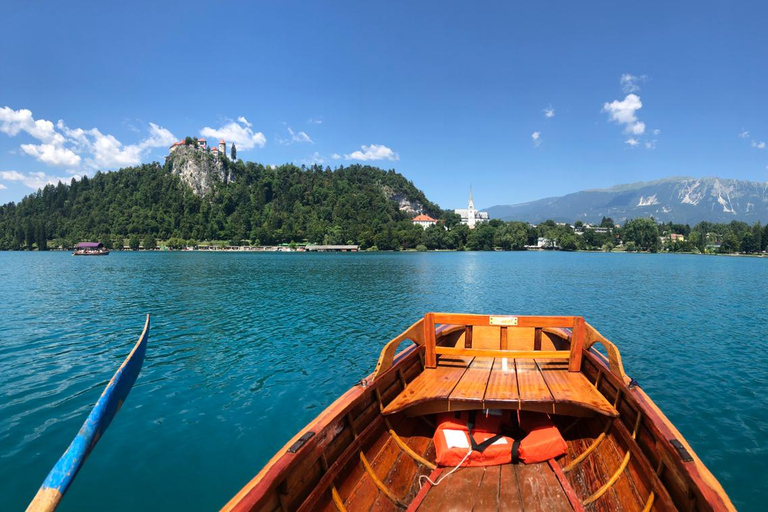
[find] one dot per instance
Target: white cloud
(159, 137)
(629, 82)
(3, 187)
(536, 137)
(650, 145)
(34, 180)
(656, 131)
(70, 147)
(632, 142)
(373, 152)
(758, 145)
(239, 132)
(319, 120)
(12, 122)
(52, 155)
(744, 134)
(623, 112)
(11, 175)
(109, 152)
(336, 156)
(638, 128)
(549, 112)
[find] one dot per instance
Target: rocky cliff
(198, 168)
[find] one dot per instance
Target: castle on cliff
(201, 145)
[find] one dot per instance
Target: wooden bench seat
(461, 383)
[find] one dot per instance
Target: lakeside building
(424, 221)
(469, 215)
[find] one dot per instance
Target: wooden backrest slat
(576, 323)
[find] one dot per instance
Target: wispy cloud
(295, 137)
(316, 158)
(629, 82)
(536, 138)
(744, 134)
(373, 152)
(33, 180)
(632, 142)
(240, 132)
(62, 146)
(3, 187)
(318, 120)
(758, 145)
(549, 112)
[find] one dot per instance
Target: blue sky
(521, 101)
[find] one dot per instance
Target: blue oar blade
(110, 401)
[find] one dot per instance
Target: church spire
(471, 201)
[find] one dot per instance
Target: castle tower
(222, 148)
(471, 210)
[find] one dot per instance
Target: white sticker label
(456, 438)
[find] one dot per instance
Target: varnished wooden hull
(353, 457)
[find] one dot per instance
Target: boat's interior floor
(481, 382)
(509, 487)
(523, 487)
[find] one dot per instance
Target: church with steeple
(469, 215)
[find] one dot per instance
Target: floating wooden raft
(371, 448)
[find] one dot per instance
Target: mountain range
(678, 199)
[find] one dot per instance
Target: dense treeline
(262, 205)
(348, 205)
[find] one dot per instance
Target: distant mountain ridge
(677, 199)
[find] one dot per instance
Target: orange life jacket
(540, 442)
(452, 441)
(543, 441)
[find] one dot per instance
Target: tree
(643, 232)
(233, 152)
(481, 238)
(513, 236)
(175, 243)
(134, 242)
(567, 242)
(150, 243)
(749, 244)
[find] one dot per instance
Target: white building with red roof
(424, 221)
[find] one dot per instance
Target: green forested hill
(263, 205)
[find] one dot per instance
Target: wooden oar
(50, 493)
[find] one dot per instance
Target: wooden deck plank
(488, 495)
(509, 491)
(456, 493)
(471, 386)
(502, 384)
(431, 384)
(540, 490)
(572, 387)
(531, 384)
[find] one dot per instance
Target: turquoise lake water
(245, 349)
